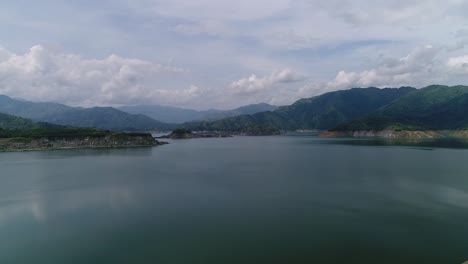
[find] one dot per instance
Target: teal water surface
(284, 199)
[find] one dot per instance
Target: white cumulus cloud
(458, 64)
(254, 84)
(417, 68)
(45, 75)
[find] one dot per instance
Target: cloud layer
(417, 69)
(254, 85)
(45, 75)
(227, 53)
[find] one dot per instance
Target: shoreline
(394, 134)
(47, 143)
(76, 148)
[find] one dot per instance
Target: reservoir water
(284, 199)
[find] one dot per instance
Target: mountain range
(17, 123)
(131, 118)
(435, 107)
(106, 118)
(176, 115)
(320, 112)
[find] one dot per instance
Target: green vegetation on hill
(11, 122)
(181, 131)
(17, 127)
(258, 130)
(52, 133)
(70, 138)
(330, 109)
(106, 118)
(435, 107)
(15, 123)
(179, 115)
(321, 112)
(238, 123)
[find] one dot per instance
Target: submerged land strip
(36, 140)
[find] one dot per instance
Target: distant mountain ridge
(10, 122)
(171, 114)
(106, 118)
(15, 123)
(321, 112)
(436, 107)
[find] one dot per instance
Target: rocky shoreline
(112, 140)
(187, 134)
(393, 134)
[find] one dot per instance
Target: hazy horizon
(222, 55)
(187, 108)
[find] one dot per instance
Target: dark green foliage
(106, 118)
(15, 123)
(258, 130)
(321, 112)
(34, 111)
(27, 135)
(330, 109)
(180, 115)
(181, 131)
(267, 119)
(52, 133)
(24, 129)
(435, 107)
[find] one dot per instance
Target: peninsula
(47, 139)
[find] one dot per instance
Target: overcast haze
(222, 54)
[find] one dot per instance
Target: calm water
(236, 200)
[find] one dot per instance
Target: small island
(183, 133)
(55, 139)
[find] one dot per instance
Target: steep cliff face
(113, 140)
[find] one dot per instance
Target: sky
(223, 54)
